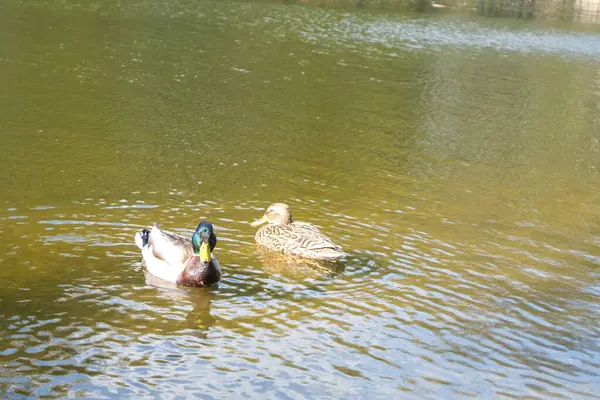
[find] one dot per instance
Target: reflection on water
(280, 263)
(199, 317)
(455, 162)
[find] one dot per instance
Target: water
(456, 161)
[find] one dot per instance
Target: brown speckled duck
(297, 238)
(179, 260)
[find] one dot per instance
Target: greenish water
(455, 160)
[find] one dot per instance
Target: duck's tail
(331, 253)
(141, 238)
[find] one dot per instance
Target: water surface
(455, 160)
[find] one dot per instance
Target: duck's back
(298, 238)
(172, 248)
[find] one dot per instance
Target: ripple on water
(441, 295)
(409, 34)
(448, 316)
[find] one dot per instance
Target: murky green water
(455, 160)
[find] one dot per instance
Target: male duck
(176, 259)
(296, 238)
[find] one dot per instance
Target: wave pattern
(408, 313)
(454, 161)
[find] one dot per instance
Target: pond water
(456, 160)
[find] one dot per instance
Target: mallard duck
(296, 238)
(176, 259)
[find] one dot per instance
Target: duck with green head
(179, 260)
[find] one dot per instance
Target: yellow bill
(260, 221)
(205, 252)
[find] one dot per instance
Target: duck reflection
(199, 317)
(294, 266)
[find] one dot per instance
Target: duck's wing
(303, 239)
(169, 247)
(161, 268)
(311, 238)
(307, 226)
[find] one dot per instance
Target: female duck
(296, 238)
(176, 259)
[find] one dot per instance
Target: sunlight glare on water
(456, 162)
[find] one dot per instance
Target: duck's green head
(204, 241)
